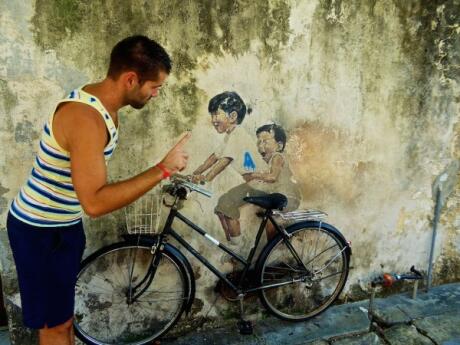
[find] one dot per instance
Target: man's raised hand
(176, 159)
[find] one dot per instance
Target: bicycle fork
(131, 294)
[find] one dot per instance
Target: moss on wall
(8, 97)
(85, 31)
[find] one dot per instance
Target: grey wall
(368, 92)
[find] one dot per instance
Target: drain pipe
(437, 211)
(442, 188)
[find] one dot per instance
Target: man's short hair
(228, 101)
(141, 55)
(278, 133)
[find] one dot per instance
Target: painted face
(140, 95)
(267, 145)
(223, 122)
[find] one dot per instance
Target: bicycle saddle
(271, 201)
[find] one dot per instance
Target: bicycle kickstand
(244, 326)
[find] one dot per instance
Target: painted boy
(271, 141)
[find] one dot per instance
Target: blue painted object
(248, 164)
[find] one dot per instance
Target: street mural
(257, 160)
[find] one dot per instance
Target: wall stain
(449, 270)
(430, 40)
(188, 30)
(324, 157)
(9, 100)
(3, 201)
(24, 132)
(426, 39)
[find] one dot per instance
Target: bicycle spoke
(328, 276)
(161, 299)
(102, 309)
(99, 287)
(324, 251)
(300, 293)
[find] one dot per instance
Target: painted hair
(141, 55)
(278, 133)
(229, 102)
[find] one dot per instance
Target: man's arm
(86, 137)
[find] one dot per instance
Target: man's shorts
(47, 263)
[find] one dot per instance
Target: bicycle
(134, 291)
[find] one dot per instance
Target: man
(69, 176)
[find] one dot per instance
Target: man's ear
(233, 116)
(131, 79)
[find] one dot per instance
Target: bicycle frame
(267, 215)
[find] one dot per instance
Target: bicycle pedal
(245, 327)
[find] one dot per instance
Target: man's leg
(72, 335)
(58, 335)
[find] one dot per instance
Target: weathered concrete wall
(368, 92)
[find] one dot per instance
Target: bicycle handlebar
(183, 181)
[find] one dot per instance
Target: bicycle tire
(302, 300)
(104, 316)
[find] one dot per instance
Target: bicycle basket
(143, 215)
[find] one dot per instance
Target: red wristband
(166, 172)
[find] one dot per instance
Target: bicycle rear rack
(301, 215)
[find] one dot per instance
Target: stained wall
(367, 91)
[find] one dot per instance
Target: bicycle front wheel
(298, 290)
(105, 311)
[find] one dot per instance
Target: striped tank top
(48, 198)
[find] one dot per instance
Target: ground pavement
(431, 318)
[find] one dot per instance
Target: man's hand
(176, 159)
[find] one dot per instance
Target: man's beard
(137, 104)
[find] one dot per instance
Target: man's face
(139, 94)
(221, 121)
(267, 145)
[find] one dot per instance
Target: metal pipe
(370, 311)
(437, 211)
(414, 291)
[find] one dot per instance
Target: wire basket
(143, 215)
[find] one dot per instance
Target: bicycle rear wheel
(103, 312)
(305, 289)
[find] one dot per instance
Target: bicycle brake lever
(190, 185)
